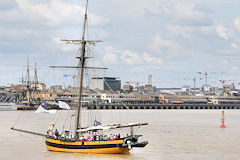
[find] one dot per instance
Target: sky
(170, 39)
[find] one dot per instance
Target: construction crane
(206, 74)
(73, 77)
(132, 82)
(194, 81)
(231, 81)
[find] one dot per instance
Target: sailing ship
(28, 88)
(75, 142)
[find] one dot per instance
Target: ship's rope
(46, 76)
(17, 120)
(93, 31)
(55, 117)
(19, 117)
(68, 119)
(120, 119)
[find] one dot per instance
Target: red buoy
(223, 120)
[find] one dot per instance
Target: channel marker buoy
(223, 121)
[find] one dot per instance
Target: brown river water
(172, 134)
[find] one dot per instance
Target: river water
(172, 134)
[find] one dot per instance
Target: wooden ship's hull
(118, 146)
(104, 147)
(26, 106)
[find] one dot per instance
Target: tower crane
(194, 81)
(73, 77)
(132, 82)
(206, 74)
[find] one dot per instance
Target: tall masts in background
(27, 82)
(28, 74)
(35, 76)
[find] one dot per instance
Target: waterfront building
(56, 88)
(105, 83)
(127, 88)
(38, 86)
(128, 98)
(149, 89)
(186, 89)
(189, 99)
(228, 88)
(209, 90)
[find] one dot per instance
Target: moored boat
(8, 107)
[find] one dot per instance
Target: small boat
(102, 145)
(97, 142)
(8, 107)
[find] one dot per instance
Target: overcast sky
(170, 39)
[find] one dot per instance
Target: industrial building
(105, 83)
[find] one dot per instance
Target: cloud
(155, 36)
(235, 46)
(224, 61)
(110, 57)
(131, 58)
(188, 14)
(237, 23)
(163, 46)
(235, 68)
(179, 30)
(53, 13)
(150, 59)
(223, 32)
(127, 57)
(6, 5)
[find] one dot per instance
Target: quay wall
(161, 106)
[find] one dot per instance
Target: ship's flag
(44, 104)
(96, 123)
(63, 105)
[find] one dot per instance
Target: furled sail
(63, 105)
(43, 110)
(111, 126)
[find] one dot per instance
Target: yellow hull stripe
(62, 146)
(85, 143)
(115, 150)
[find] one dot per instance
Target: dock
(159, 106)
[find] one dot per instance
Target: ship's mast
(28, 81)
(82, 60)
(81, 66)
(35, 76)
